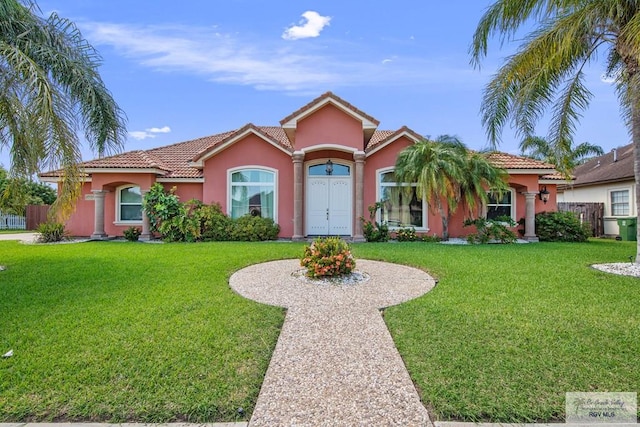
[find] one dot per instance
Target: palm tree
(547, 73)
(447, 173)
(541, 149)
(50, 87)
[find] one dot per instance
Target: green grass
(509, 329)
(15, 231)
(116, 332)
(131, 332)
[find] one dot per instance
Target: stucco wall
(329, 125)
(251, 151)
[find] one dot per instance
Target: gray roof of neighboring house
(616, 165)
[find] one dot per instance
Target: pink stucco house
(315, 174)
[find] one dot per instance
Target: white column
(359, 157)
(146, 227)
(298, 203)
(530, 217)
(98, 219)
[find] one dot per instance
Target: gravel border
(335, 362)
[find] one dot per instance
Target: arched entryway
(329, 198)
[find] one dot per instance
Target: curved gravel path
(335, 362)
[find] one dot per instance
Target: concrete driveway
(24, 237)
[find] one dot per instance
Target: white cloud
(310, 26)
(148, 133)
(386, 61)
(267, 64)
(164, 129)
(140, 135)
(605, 78)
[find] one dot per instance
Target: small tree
(448, 174)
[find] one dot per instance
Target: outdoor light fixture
(544, 194)
(329, 167)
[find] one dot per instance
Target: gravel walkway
(335, 362)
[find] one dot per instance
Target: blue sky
(186, 69)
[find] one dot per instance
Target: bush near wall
(561, 227)
(194, 221)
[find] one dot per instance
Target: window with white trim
(129, 206)
(620, 203)
(501, 206)
(400, 204)
(253, 192)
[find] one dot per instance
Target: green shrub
(491, 230)
(431, 239)
(215, 225)
(373, 230)
(132, 234)
(161, 206)
(194, 221)
(561, 227)
(406, 235)
(50, 232)
(250, 228)
(328, 257)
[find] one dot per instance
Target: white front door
(329, 200)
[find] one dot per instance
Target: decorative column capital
(99, 193)
(298, 156)
(359, 156)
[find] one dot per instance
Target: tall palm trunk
(445, 220)
(635, 134)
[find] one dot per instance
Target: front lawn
(113, 331)
(509, 329)
(119, 331)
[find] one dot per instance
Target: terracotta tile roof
(511, 161)
(175, 159)
(336, 98)
(138, 159)
(604, 169)
(556, 177)
(273, 133)
(382, 136)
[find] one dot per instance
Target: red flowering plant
(328, 257)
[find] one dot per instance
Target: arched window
(253, 192)
(129, 204)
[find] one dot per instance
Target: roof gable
(271, 135)
(382, 138)
(289, 123)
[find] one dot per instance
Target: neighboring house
(315, 174)
(607, 179)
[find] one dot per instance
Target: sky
(187, 69)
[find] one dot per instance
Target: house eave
(155, 171)
(530, 171)
(58, 179)
(597, 183)
(181, 180)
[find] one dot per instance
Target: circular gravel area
(620, 268)
(278, 283)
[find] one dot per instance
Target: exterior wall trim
(392, 140)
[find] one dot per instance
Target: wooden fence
(36, 215)
(12, 222)
(591, 213)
